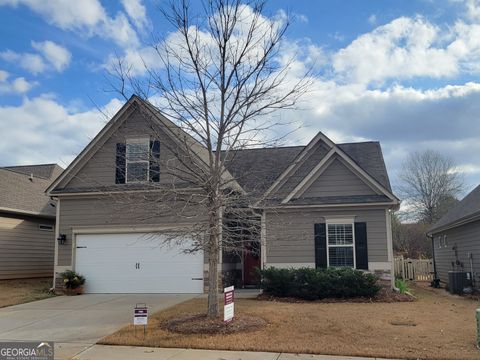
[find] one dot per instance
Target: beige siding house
(319, 205)
(27, 221)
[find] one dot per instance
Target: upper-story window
(137, 158)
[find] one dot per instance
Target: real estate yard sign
(140, 317)
(228, 308)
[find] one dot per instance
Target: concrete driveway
(75, 323)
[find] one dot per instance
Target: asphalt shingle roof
(19, 192)
(257, 169)
(469, 206)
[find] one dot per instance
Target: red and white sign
(228, 308)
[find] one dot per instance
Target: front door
(251, 261)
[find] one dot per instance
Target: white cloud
(87, 16)
(55, 54)
(17, 86)
(65, 14)
(137, 12)
(372, 19)
(401, 49)
(50, 54)
(54, 132)
(33, 63)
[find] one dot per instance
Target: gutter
(26, 212)
(462, 221)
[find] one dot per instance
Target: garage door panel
(108, 262)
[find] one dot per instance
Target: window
(445, 241)
(340, 245)
(44, 227)
(137, 160)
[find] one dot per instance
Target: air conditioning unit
(458, 281)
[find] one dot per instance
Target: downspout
(388, 213)
(435, 282)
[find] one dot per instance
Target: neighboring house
(319, 205)
(456, 239)
(27, 221)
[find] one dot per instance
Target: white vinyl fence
(414, 269)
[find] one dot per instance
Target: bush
(72, 280)
(314, 284)
(402, 286)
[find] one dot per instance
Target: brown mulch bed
(435, 326)
(384, 296)
(200, 324)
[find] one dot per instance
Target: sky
(405, 73)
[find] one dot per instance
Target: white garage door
(137, 263)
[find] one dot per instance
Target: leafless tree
(410, 239)
(219, 76)
(430, 181)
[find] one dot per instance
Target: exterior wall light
(62, 238)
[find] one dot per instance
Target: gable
(99, 171)
(318, 152)
(140, 119)
(337, 180)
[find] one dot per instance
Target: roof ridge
(360, 142)
(24, 174)
(18, 166)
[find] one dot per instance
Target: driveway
(75, 323)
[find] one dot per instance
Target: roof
(465, 211)
(20, 192)
(257, 169)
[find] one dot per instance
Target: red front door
(251, 261)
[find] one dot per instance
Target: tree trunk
(213, 309)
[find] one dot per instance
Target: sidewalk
(101, 352)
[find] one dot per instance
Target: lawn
(437, 326)
(13, 292)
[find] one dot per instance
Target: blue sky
(406, 73)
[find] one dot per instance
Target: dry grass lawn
(437, 326)
(13, 292)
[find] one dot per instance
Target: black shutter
(120, 164)
(155, 161)
(320, 246)
(361, 251)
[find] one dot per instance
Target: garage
(137, 263)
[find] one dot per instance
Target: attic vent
(45, 227)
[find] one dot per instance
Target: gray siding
(316, 155)
(25, 251)
(100, 169)
(290, 234)
(337, 180)
(127, 210)
(467, 239)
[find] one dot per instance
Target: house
(319, 205)
(455, 239)
(27, 221)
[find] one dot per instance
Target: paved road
(101, 352)
(75, 323)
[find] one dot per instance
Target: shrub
(313, 284)
(402, 286)
(72, 280)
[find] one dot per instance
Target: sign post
(228, 308)
(140, 317)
